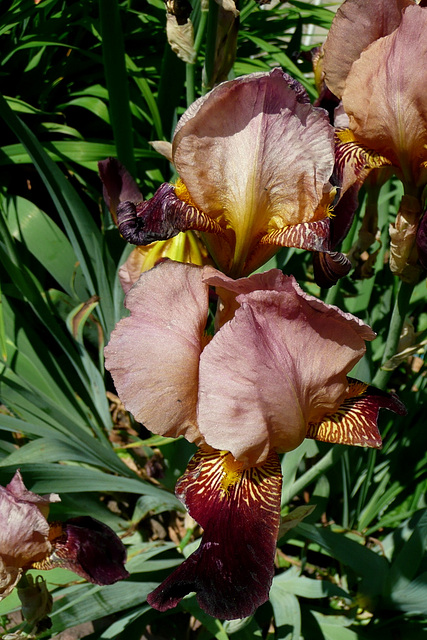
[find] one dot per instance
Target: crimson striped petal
(355, 421)
(239, 510)
(160, 218)
(313, 236)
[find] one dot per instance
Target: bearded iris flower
(274, 372)
(254, 159)
(375, 59)
(27, 540)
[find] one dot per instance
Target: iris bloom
(375, 59)
(274, 373)
(254, 159)
(27, 540)
(119, 186)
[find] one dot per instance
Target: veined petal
(160, 218)
(239, 510)
(384, 99)
(313, 236)
(153, 355)
(353, 160)
(279, 364)
(256, 157)
(355, 421)
(356, 25)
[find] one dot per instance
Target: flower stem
(191, 68)
(211, 43)
(395, 330)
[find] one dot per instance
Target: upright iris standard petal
(384, 99)
(256, 157)
(278, 365)
(154, 354)
(356, 25)
(239, 510)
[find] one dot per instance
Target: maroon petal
(422, 241)
(239, 510)
(89, 548)
(329, 267)
(118, 184)
(161, 218)
(355, 421)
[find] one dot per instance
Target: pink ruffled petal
(279, 364)
(384, 96)
(256, 157)
(153, 355)
(239, 510)
(356, 25)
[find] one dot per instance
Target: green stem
(191, 68)
(211, 43)
(395, 330)
(325, 463)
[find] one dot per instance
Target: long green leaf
(97, 266)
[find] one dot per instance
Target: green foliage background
(82, 81)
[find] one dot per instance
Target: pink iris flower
(274, 372)
(375, 60)
(27, 540)
(254, 160)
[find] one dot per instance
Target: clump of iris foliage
(82, 81)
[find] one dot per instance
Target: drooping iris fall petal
(89, 548)
(239, 510)
(254, 159)
(355, 421)
(121, 195)
(118, 185)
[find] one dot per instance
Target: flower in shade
(274, 372)
(119, 186)
(369, 63)
(27, 540)
(254, 159)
